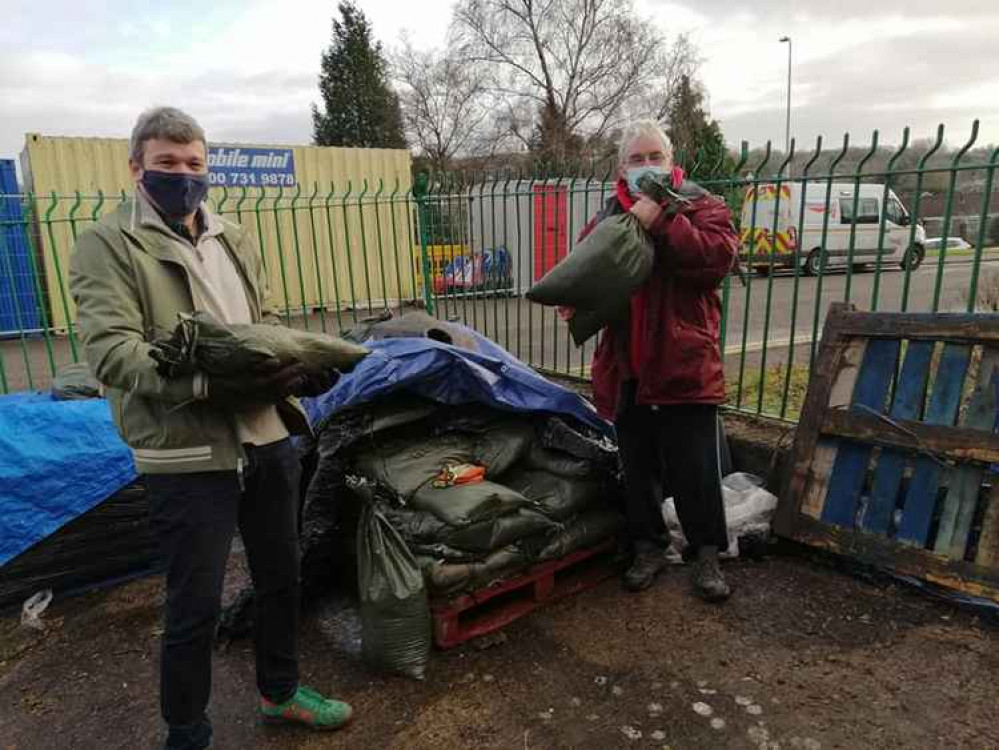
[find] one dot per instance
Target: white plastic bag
(31, 613)
(748, 511)
(749, 508)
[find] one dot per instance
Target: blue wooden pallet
(895, 452)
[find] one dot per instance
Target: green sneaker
(307, 707)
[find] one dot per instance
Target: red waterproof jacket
(678, 354)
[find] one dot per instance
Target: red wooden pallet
(489, 609)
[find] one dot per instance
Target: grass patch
(772, 385)
(968, 252)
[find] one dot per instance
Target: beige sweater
(219, 291)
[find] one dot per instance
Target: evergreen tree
(359, 106)
(698, 143)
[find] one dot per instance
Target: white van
(787, 239)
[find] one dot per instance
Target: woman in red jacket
(659, 376)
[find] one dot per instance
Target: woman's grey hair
(640, 128)
(164, 123)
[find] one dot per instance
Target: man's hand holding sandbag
(270, 382)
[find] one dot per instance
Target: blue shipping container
(19, 310)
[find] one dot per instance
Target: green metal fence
(909, 228)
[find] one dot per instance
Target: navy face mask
(175, 194)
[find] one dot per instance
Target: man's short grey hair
(638, 129)
(167, 124)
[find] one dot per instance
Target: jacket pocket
(691, 311)
(140, 420)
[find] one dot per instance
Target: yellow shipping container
(342, 236)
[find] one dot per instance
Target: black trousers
(671, 450)
(194, 518)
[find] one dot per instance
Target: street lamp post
(787, 132)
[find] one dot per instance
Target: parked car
(829, 219)
(489, 270)
(953, 243)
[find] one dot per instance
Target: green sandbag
(442, 552)
(558, 463)
(585, 530)
(423, 530)
(445, 578)
(466, 504)
(202, 343)
(397, 410)
(75, 382)
(395, 611)
(406, 464)
(612, 262)
(502, 445)
(559, 498)
(598, 278)
(585, 324)
(499, 532)
(416, 526)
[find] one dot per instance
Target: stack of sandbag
(439, 467)
(479, 496)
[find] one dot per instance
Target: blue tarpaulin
(58, 459)
(454, 376)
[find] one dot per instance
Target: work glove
(268, 383)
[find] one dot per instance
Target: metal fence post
(421, 184)
(884, 215)
(983, 228)
(949, 213)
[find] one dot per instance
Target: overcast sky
(247, 68)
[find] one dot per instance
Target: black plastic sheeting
(110, 542)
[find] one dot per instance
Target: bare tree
(565, 70)
(443, 103)
(678, 61)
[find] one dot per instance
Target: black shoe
(645, 567)
(706, 576)
(190, 736)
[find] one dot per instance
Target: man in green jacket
(215, 451)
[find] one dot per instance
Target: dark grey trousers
(671, 450)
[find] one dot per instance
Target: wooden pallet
(487, 610)
(895, 449)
